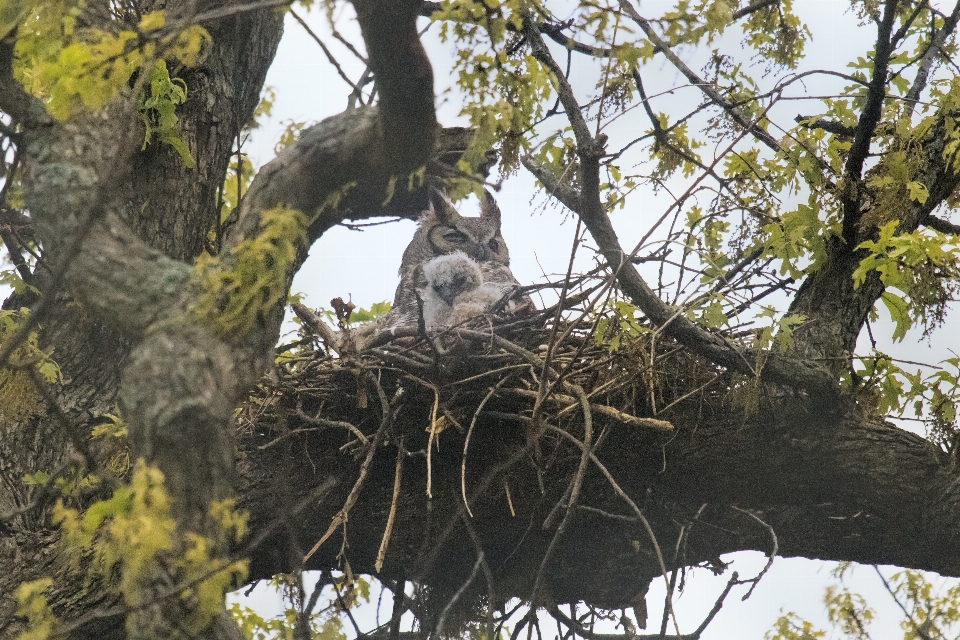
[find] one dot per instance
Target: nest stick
(466, 443)
(633, 505)
(397, 477)
(602, 409)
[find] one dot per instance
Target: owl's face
(443, 231)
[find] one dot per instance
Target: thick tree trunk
(171, 208)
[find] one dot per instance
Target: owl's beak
(448, 291)
(479, 252)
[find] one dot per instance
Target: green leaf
(918, 191)
(899, 313)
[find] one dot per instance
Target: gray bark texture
(120, 227)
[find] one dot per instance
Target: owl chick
(455, 291)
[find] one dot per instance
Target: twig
(433, 434)
(346, 609)
(610, 412)
(744, 120)
(341, 516)
(575, 486)
(917, 629)
(773, 552)
(734, 579)
(443, 616)
(633, 505)
(466, 444)
(323, 422)
(487, 573)
(716, 377)
(330, 58)
(316, 324)
(397, 477)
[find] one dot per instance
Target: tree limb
(830, 126)
(741, 118)
(867, 123)
(776, 368)
(941, 225)
(926, 64)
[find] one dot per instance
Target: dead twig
(397, 478)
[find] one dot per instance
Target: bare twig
(446, 610)
(633, 505)
(466, 444)
(341, 516)
(610, 412)
(576, 484)
(397, 478)
(770, 558)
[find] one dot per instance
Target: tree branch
(590, 209)
(776, 368)
(926, 64)
(404, 80)
(741, 118)
(752, 8)
(869, 117)
(941, 225)
(830, 126)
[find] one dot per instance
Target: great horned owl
(455, 291)
(457, 266)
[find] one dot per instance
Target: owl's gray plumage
(455, 291)
(458, 266)
(449, 276)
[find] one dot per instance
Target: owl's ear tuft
(489, 210)
(441, 209)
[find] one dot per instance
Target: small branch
(741, 118)
(941, 225)
(905, 27)
(926, 64)
(438, 633)
(734, 579)
(604, 410)
(341, 516)
(323, 422)
(830, 126)
(316, 324)
(867, 124)
(332, 60)
(552, 30)
(487, 574)
(633, 505)
(777, 368)
(917, 628)
(466, 444)
(555, 32)
(770, 558)
(751, 8)
(575, 487)
(397, 478)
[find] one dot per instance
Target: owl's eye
(494, 245)
(455, 237)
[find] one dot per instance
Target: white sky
(364, 265)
